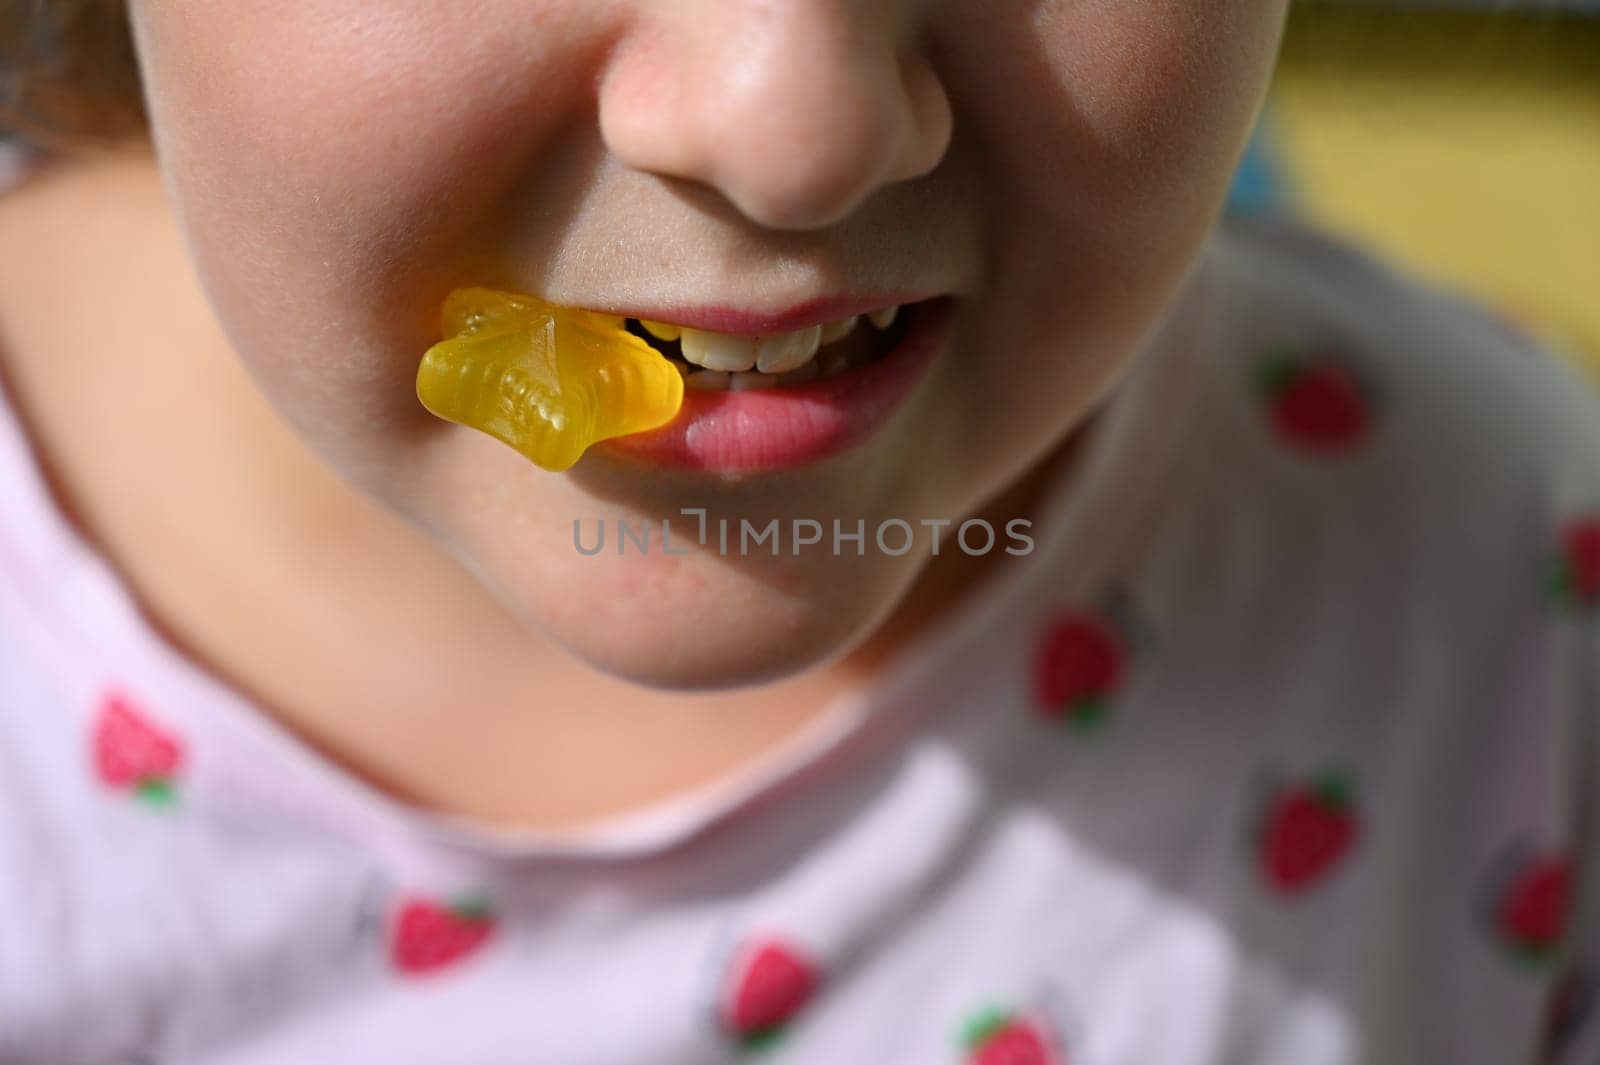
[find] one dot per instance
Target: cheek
(1114, 117)
(317, 119)
(331, 161)
(1106, 150)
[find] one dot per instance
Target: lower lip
(781, 428)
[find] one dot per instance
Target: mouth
(777, 401)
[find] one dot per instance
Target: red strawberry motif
(132, 753)
(428, 936)
(1305, 832)
(1077, 666)
(999, 1037)
(1577, 577)
(772, 982)
(1532, 910)
(1315, 402)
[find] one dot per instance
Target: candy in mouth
(552, 381)
(548, 381)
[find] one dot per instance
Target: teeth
(828, 364)
(708, 381)
(718, 351)
(749, 382)
(839, 330)
(723, 362)
(662, 330)
(787, 351)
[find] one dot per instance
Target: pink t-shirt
(1278, 749)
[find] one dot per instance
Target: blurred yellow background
(1466, 146)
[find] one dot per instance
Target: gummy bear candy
(549, 381)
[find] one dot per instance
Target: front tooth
(662, 330)
(787, 351)
(884, 318)
(840, 329)
(718, 351)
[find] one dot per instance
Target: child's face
(1051, 165)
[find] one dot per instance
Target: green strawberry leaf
(1276, 372)
(982, 1027)
(1333, 791)
(1086, 713)
(472, 908)
(157, 791)
(1560, 586)
(765, 1039)
(1529, 953)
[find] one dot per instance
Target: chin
(726, 629)
(757, 654)
(693, 666)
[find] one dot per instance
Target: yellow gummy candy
(549, 381)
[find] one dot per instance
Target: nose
(795, 111)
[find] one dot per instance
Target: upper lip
(735, 321)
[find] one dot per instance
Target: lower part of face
(338, 166)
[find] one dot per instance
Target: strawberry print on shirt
(768, 983)
(998, 1036)
(1314, 399)
(1079, 661)
(1304, 832)
(132, 753)
(1040, 1028)
(1530, 898)
(428, 936)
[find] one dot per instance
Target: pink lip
(735, 322)
(774, 429)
